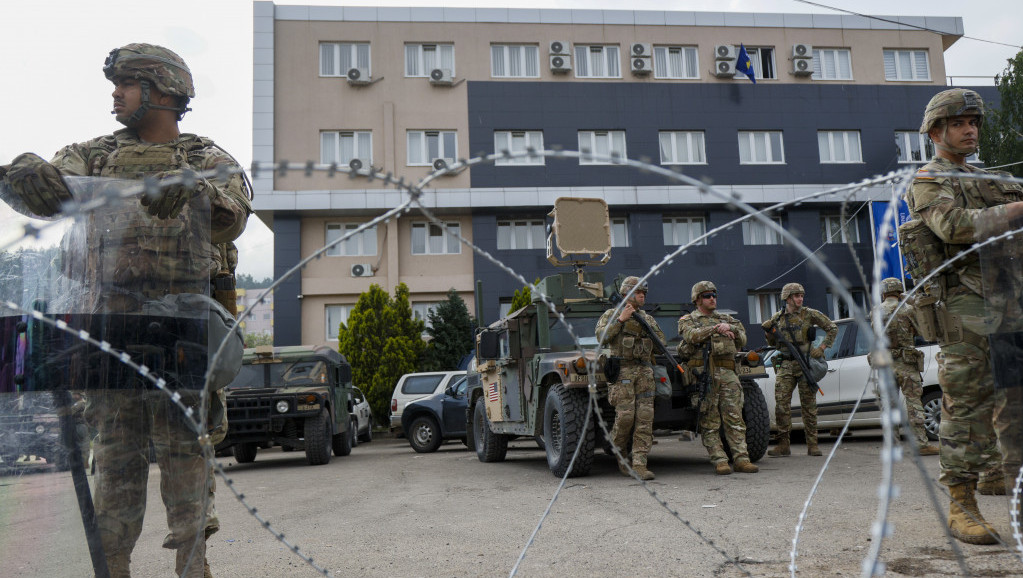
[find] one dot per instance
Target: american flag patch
(492, 392)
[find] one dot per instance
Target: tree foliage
(382, 342)
(246, 281)
(256, 339)
(523, 297)
(1001, 140)
(451, 331)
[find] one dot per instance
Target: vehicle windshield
(281, 374)
(421, 384)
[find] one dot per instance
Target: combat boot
(624, 469)
(782, 449)
(722, 468)
(992, 486)
(964, 519)
(639, 464)
(118, 565)
(193, 558)
(812, 449)
(746, 467)
(929, 450)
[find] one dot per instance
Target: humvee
(298, 397)
(532, 380)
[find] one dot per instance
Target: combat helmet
(154, 67)
(949, 103)
(891, 285)
(791, 289)
(701, 287)
(629, 283)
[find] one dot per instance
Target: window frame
(421, 310)
(353, 60)
(674, 137)
(897, 66)
(424, 146)
(582, 66)
(685, 60)
(506, 50)
(835, 303)
(828, 222)
(530, 225)
(818, 63)
(771, 237)
(529, 136)
(926, 149)
(757, 54)
(447, 239)
(361, 238)
(356, 136)
(591, 145)
(751, 134)
(690, 220)
(346, 311)
(832, 135)
(623, 223)
(422, 70)
(754, 303)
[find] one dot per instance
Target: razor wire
(414, 193)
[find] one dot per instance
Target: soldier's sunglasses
(708, 295)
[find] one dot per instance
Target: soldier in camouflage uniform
(723, 404)
(152, 88)
(632, 394)
(960, 212)
(794, 322)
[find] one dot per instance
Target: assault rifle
(657, 342)
(798, 355)
(705, 379)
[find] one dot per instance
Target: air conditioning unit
(641, 66)
(358, 76)
(440, 77)
(802, 66)
(802, 51)
(561, 63)
(724, 52)
(641, 49)
(355, 164)
(362, 270)
(724, 68)
(439, 164)
(559, 47)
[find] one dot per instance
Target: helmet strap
(147, 104)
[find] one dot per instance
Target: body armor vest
(632, 343)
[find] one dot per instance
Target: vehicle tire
(354, 423)
(932, 413)
(285, 448)
(563, 417)
(342, 443)
(245, 453)
(539, 442)
(424, 434)
(758, 421)
(368, 436)
(490, 447)
(318, 439)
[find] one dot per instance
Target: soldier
(632, 394)
(958, 212)
(725, 336)
(794, 322)
(907, 360)
(152, 88)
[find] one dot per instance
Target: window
(913, 147)
(420, 59)
(763, 62)
(832, 64)
(518, 141)
(839, 309)
(603, 143)
(505, 307)
(760, 147)
(906, 65)
(343, 146)
(514, 61)
(839, 146)
(426, 146)
(337, 58)
(756, 233)
(361, 243)
(430, 239)
(521, 235)
(763, 304)
(619, 232)
(682, 148)
(422, 311)
(596, 61)
(334, 316)
(682, 230)
(675, 62)
(833, 230)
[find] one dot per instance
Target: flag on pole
(744, 64)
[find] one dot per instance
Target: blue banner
(892, 264)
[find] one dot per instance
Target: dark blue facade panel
(287, 306)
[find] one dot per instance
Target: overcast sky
(54, 93)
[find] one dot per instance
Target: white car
(363, 417)
(413, 386)
(848, 379)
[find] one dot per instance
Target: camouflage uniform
(788, 374)
(723, 404)
(632, 395)
(907, 362)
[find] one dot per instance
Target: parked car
(431, 420)
(413, 386)
(363, 417)
(849, 378)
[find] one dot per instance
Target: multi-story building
(260, 318)
(836, 99)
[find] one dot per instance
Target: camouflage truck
(531, 380)
(298, 397)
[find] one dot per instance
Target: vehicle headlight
(282, 406)
(40, 428)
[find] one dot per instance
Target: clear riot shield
(105, 324)
(1002, 280)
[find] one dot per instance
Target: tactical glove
(817, 352)
(38, 184)
(163, 199)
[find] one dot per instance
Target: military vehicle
(298, 397)
(531, 379)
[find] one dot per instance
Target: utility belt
(722, 362)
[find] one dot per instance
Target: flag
(492, 394)
(744, 64)
(892, 262)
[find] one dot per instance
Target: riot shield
(103, 361)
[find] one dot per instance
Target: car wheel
(424, 434)
(563, 417)
(932, 413)
(342, 443)
(354, 432)
(368, 436)
(490, 447)
(758, 421)
(245, 453)
(318, 439)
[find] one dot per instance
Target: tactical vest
(632, 343)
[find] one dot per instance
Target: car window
(836, 348)
(459, 386)
(421, 384)
(357, 395)
(862, 346)
(305, 372)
